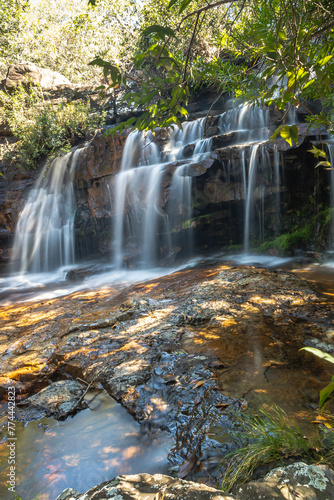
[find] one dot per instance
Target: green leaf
(285, 133)
(317, 152)
(325, 394)
(161, 31)
(282, 35)
(275, 134)
(294, 133)
(319, 353)
(184, 5)
(171, 3)
(323, 164)
(91, 2)
(99, 62)
(325, 60)
(309, 83)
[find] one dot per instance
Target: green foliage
(301, 237)
(287, 132)
(65, 35)
(43, 129)
(270, 439)
(10, 28)
(326, 393)
(274, 52)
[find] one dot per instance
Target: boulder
(30, 73)
(144, 487)
(296, 481)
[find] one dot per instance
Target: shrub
(44, 129)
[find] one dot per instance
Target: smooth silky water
(96, 445)
(104, 441)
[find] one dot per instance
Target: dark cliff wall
(218, 194)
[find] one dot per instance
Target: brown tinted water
(257, 363)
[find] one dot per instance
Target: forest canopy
(269, 51)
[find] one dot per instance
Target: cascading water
(330, 146)
(44, 237)
(145, 224)
(277, 182)
(249, 127)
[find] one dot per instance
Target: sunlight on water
(94, 446)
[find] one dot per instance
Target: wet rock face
(14, 188)
(165, 350)
(147, 487)
(58, 400)
(296, 481)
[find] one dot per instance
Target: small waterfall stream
(44, 238)
(330, 146)
(152, 195)
(145, 224)
(251, 126)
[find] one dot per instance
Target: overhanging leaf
(320, 354)
(325, 394)
(184, 5)
(171, 3)
(285, 133)
(323, 164)
(159, 30)
(294, 133)
(317, 152)
(325, 60)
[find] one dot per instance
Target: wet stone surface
(59, 400)
(147, 487)
(167, 350)
(298, 481)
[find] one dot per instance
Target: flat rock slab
(147, 487)
(58, 400)
(298, 481)
(167, 350)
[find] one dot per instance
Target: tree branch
(190, 45)
(206, 7)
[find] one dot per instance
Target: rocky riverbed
(181, 353)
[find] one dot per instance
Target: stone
(298, 481)
(67, 494)
(148, 487)
(26, 73)
(157, 347)
(59, 399)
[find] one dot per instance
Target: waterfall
(330, 146)
(251, 126)
(250, 123)
(152, 194)
(277, 181)
(44, 236)
(249, 196)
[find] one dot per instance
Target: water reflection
(94, 446)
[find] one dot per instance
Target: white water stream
(145, 224)
(44, 237)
